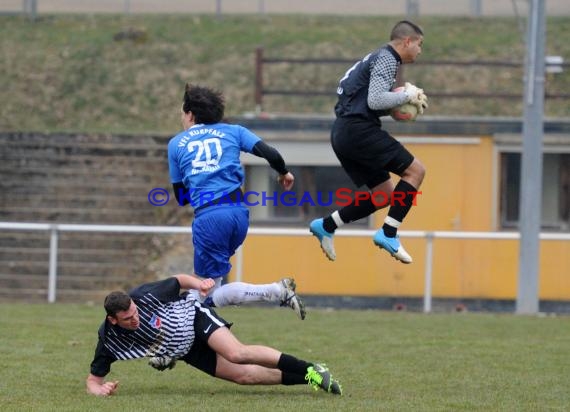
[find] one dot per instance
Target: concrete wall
(459, 194)
(355, 7)
(89, 179)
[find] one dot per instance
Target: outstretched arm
(96, 385)
(194, 282)
(275, 160)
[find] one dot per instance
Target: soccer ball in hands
(406, 112)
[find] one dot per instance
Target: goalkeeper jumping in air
(157, 321)
(367, 152)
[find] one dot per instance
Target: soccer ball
(406, 112)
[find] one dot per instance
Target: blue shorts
(217, 231)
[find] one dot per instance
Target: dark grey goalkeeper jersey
(363, 90)
(166, 327)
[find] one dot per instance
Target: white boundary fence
(429, 236)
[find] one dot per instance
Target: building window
(314, 194)
(555, 191)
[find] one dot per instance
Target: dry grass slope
(117, 73)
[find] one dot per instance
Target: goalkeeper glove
(416, 96)
(162, 363)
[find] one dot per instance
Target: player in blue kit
(205, 171)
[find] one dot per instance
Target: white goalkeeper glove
(416, 96)
(162, 363)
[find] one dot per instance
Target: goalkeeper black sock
(354, 211)
(329, 224)
(350, 213)
(403, 198)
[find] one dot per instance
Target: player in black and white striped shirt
(157, 321)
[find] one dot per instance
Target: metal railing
(429, 236)
(553, 63)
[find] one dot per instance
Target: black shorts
(201, 356)
(366, 152)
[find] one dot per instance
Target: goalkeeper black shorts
(367, 152)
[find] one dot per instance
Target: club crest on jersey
(155, 322)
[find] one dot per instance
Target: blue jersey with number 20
(206, 158)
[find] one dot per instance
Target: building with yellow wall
(469, 187)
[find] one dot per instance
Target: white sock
(337, 219)
(390, 221)
(236, 293)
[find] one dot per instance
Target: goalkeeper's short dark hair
(405, 28)
(117, 302)
(206, 105)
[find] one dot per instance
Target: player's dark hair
(207, 105)
(405, 28)
(117, 302)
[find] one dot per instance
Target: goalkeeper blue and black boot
(392, 246)
(325, 238)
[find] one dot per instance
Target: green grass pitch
(386, 361)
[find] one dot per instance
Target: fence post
(258, 79)
(30, 9)
(52, 276)
(34, 10)
(219, 9)
(239, 264)
(412, 8)
(476, 8)
(428, 272)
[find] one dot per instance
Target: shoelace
(287, 300)
(313, 378)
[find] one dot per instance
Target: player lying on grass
(157, 321)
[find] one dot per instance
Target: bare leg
(262, 365)
(414, 174)
(225, 344)
(246, 374)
